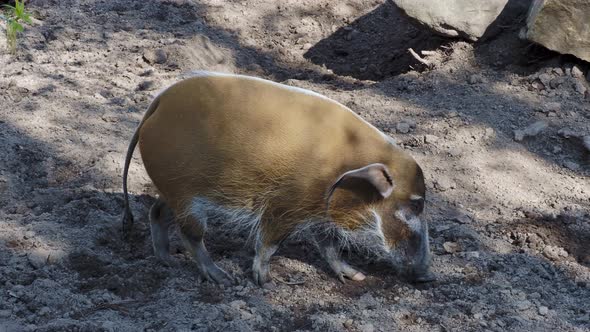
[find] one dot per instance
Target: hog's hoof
(345, 271)
(213, 273)
(355, 276)
(424, 278)
(358, 277)
(261, 277)
(167, 261)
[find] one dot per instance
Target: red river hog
(276, 160)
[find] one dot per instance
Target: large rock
(454, 18)
(561, 25)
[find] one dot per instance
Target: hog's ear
(371, 182)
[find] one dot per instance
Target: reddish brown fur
(244, 142)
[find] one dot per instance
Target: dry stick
(291, 283)
(419, 58)
(118, 306)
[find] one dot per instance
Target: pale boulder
(454, 18)
(561, 25)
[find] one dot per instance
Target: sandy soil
(509, 220)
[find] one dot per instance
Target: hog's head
(392, 198)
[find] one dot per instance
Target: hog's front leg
(331, 253)
(261, 263)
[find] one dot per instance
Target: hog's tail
(127, 220)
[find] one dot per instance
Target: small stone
(471, 254)
(431, 139)
(5, 313)
(145, 85)
(462, 218)
(307, 46)
(443, 184)
(543, 310)
(551, 252)
(537, 86)
(556, 149)
(403, 128)
(40, 257)
(146, 73)
(545, 79)
(571, 165)
(348, 323)
(553, 107)
(367, 327)
(44, 311)
(530, 131)
(269, 286)
(576, 72)
(489, 132)
(246, 315)
(474, 79)
(158, 56)
(535, 295)
(579, 87)
(237, 304)
(580, 282)
(455, 151)
(523, 305)
(352, 35)
(567, 133)
(451, 247)
(556, 82)
(478, 315)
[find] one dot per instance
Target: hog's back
(248, 142)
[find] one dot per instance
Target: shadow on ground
(375, 46)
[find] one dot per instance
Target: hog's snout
(418, 258)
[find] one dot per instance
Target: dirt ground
(509, 220)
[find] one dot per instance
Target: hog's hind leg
(192, 230)
(161, 217)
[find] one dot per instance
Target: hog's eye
(417, 204)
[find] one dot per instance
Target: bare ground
(510, 221)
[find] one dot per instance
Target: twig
(291, 283)
(419, 58)
(119, 306)
(428, 52)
